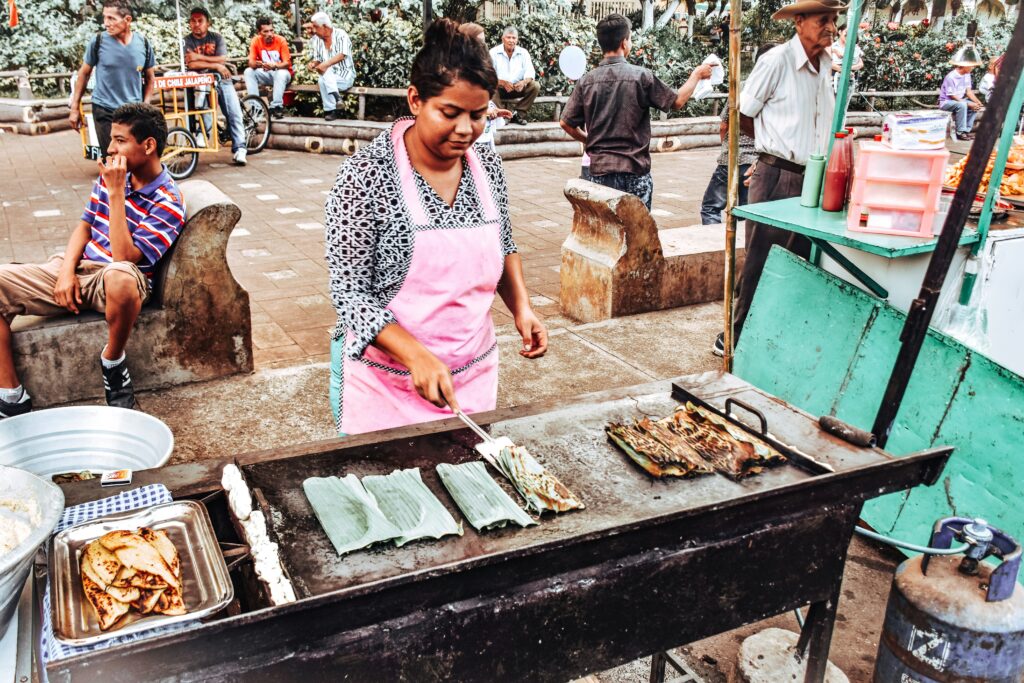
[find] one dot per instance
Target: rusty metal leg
(660, 662)
(816, 636)
(658, 667)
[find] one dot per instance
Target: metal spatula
(490, 447)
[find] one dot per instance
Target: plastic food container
(898, 190)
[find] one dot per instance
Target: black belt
(780, 163)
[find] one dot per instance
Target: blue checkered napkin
(154, 494)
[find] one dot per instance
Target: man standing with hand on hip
(786, 105)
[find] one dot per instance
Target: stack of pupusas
(124, 570)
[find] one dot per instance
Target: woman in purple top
(957, 97)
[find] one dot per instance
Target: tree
(938, 15)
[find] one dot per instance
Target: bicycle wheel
(179, 155)
(256, 119)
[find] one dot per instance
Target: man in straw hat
(957, 96)
(786, 106)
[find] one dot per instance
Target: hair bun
(441, 34)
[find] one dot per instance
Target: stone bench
(195, 327)
(615, 261)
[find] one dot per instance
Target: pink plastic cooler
(896, 191)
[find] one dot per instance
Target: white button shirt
(513, 69)
(791, 105)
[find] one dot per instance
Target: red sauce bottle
(837, 175)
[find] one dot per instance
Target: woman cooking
(418, 242)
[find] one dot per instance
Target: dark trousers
(519, 101)
(102, 118)
(713, 204)
(766, 184)
(641, 186)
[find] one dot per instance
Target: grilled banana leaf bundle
(693, 441)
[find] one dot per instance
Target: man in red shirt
(270, 63)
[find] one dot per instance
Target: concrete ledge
(514, 142)
(195, 327)
(615, 262)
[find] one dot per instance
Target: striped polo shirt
(155, 214)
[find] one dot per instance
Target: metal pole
(923, 307)
(181, 37)
(298, 26)
(428, 16)
(734, 180)
(843, 89)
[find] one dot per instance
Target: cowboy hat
(809, 7)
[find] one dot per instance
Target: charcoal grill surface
(577, 594)
(572, 443)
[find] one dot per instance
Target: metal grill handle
(730, 402)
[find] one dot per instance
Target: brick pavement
(276, 251)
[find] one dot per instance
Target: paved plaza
(277, 250)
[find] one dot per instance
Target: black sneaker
(964, 136)
(517, 119)
(332, 115)
(719, 348)
(277, 112)
(8, 409)
(117, 384)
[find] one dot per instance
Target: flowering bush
(912, 58)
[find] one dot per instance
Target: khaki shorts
(27, 288)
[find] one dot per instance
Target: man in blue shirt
(124, 64)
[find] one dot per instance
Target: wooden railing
(497, 10)
(24, 80)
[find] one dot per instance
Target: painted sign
(183, 81)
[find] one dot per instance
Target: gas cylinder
(955, 617)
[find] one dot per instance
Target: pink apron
(445, 303)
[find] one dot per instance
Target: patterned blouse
(370, 233)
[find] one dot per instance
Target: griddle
(647, 566)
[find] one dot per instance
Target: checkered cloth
(154, 494)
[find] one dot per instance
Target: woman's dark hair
(611, 31)
(263, 21)
(447, 56)
(144, 121)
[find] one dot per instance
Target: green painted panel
(826, 346)
(803, 357)
(831, 227)
(985, 422)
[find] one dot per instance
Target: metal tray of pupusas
(206, 584)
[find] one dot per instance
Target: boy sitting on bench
(132, 218)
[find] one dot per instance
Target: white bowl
(14, 565)
(77, 438)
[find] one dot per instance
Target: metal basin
(97, 438)
(14, 566)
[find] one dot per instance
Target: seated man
(330, 55)
(956, 96)
(132, 218)
(517, 88)
(270, 63)
(205, 52)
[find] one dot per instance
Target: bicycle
(181, 153)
